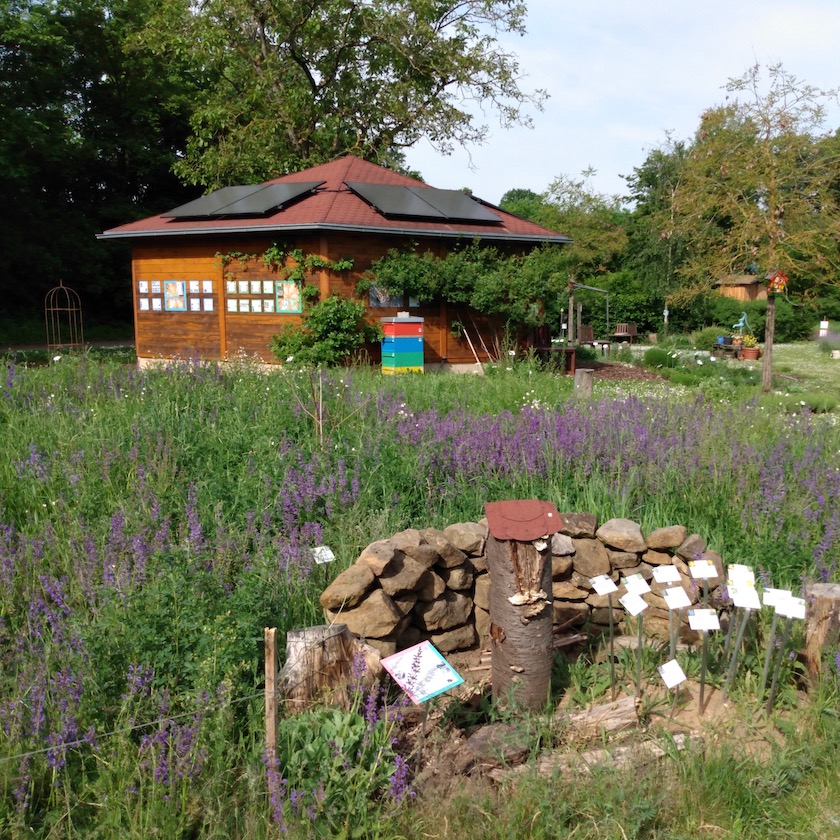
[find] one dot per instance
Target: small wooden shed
(202, 286)
(742, 287)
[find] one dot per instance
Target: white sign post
(703, 620)
(704, 570)
(421, 672)
(633, 602)
(772, 598)
(744, 596)
(671, 574)
(604, 585)
(672, 675)
(790, 608)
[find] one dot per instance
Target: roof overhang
(488, 234)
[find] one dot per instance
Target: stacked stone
(434, 585)
(413, 586)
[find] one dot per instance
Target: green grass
(154, 522)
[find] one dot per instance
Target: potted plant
(750, 350)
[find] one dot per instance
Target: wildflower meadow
(152, 522)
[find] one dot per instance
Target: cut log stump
(325, 662)
(822, 626)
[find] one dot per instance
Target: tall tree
(91, 126)
(757, 188)
(291, 83)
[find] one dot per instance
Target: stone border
(432, 584)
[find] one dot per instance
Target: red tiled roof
(334, 207)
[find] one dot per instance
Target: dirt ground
(446, 762)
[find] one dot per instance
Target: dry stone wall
(433, 584)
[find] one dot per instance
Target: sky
(620, 75)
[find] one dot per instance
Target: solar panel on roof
(253, 200)
(422, 202)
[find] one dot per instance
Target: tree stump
(822, 626)
(583, 383)
(521, 613)
(325, 661)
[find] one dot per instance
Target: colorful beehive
(402, 346)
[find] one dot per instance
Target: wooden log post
(822, 626)
(521, 613)
(270, 635)
(583, 383)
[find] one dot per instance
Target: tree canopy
(289, 84)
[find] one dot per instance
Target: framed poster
(144, 304)
(195, 304)
(207, 287)
(268, 305)
(243, 287)
(268, 287)
(194, 287)
(422, 672)
(208, 304)
(256, 306)
(175, 296)
(256, 287)
(157, 304)
(233, 305)
(244, 305)
(288, 296)
(231, 287)
(143, 287)
(155, 287)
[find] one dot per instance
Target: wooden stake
(271, 692)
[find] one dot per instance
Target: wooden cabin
(742, 287)
(201, 285)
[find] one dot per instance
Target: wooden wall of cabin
(202, 324)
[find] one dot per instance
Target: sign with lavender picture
(421, 672)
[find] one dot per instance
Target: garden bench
(625, 332)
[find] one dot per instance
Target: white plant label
(676, 598)
(774, 597)
(666, 574)
(636, 584)
(633, 603)
(603, 584)
(704, 620)
(738, 573)
(323, 554)
(672, 674)
(792, 607)
(744, 595)
(702, 569)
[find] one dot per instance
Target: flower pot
(750, 354)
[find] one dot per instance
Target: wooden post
(769, 334)
(571, 322)
(579, 318)
(822, 626)
(583, 383)
(521, 613)
(271, 692)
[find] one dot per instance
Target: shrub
(585, 354)
(331, 330)
(656, 357)
(707, 338)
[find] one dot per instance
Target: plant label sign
(676, 598)
(703, 620)
(792, 607)
(738, 573)
(774, 597)
(633, 603)
(672, 674)
(421, 672)
(744, 595)
(603, 585)
(636, 584)
(323, 554)
(702, 569)
(666, 574)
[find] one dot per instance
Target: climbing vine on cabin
(527, 289)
